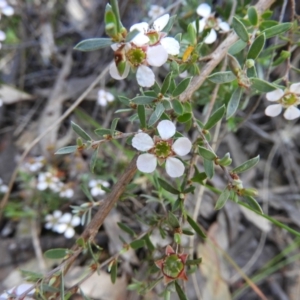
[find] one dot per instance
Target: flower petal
(174, 167)
(273, 110)
(142, 142)
(140, 40)
(2, 35)
(211, 37)
(166, 129)
(65, 218)
(146, 163)
(291, 113)
(142, 27)
(171, 45)
(204, 10)
(75, 221)
(145, 76)
(8, 10)
(157, 55)
(69, 233)
(160, 23)
(114, 73)
(60, 228)
(182, 146)
(275, 95)
(295, 88)
(224, 26)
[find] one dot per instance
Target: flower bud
(249, 192)
(249, 63)
(225, 161)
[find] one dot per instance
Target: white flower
(96, 186)
(52, 220)
(210, 21)
(66, 191)
(2, 38)
(6, 9)
(161, 149)
(3, 187)
(104, 97)
(288, 99)
(18, 291)
(47, 180)
(155, 11)
(34, 164)
(66, 224)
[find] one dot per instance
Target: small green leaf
(30, 276)
(148, 242)
(142, 115)
(66, 150)
(256, 47)
(166, 186)
(187, 232)
(177, 106)
(262, 85)
(102, 131)
(240, 29)
(196, 227)
(169, 26)
(137, 244)
(252, 15)
(222, 77)
(267, 24)
(277, 29)
(234, 102)
(237, 47)
(166, 84)
(246, 165)
(159, 110)
(131, 35)
(191, 262)
(57, 253)
(207, 154)
(113, 272)
(127, 229)
(94, 159)
(215, 118)
(222, 199)
(80, 132)
(184, 118)
(251, 72)
(181, 87)
(180, 292)
(254, 204)
(86, 191)
(113, 126)
(173, 220)
(143, 99)
(199, 177)
(208, 168)
(93, 44)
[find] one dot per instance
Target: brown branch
(217, 56)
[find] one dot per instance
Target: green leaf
(66, 150)
(93, 44)
(262, 85)
(196, 227)
(102, 131)
(208, 168)
(251, 72)
(166, 84)
(240, 29)
(166, 186)
(86, 191)
(246, 165)
(256, 47)
(277, 29)
(191, 262)
(148, 242)
(31, 276)
(127, 229)
(207, 154)
(57, 253)
(199, 177)
(254, 204)
(234, 102)
(142, 115)
(187, 232)
(181, 87)
(113, 126)
(113, 272)
(184, 118)
(267, 24)
(169, 26)
(215, 118)
(159, 109)
(173, 220)
(237, 47)
(137, 244)
(80, 132)
(222, 77)
(180, 292)
(222, 199)
(252, 15)
(177, 106)
(94, 159)
(131, 35)
(143, 99)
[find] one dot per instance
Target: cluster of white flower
(288, 99)
(34, 164)
(6, 10)
(3, 187)
(62, 223)
(209, 21)
(150, 47)
(155, 11)
(49, 181)
(104, 97)
(96, 186)
(161, 149)
(18, 291)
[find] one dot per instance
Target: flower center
(212, 22)
(173, 266)
(289, 100)
(162, 149)
(154, 37)
(136, 56)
